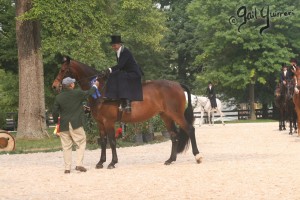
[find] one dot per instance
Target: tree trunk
(31, 113)
(251, 99)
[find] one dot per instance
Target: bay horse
(290, 106)
(162, 97)
(296, 96)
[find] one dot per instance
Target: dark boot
(128, 106)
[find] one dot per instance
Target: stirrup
(127, 106)
(127, 109)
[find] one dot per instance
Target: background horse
(162, 97)
(280, 104)
(296, 96)
(284, 102)
(290, 106)
(197, 109)
(204, 103)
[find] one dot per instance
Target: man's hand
(96, 83)
(284, 82)
(107, 72)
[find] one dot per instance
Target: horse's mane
(87, 67)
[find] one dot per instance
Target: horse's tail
(189, 116)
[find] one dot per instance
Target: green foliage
(180, 42)
(9, 93)
(91, 129)
(155, 124)
(81, 29)
(232, 59)
(8, 45)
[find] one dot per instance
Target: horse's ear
(66, 59)
(294, 69)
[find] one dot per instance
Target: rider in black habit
(210, 91)
(124, 81)
(285, 75)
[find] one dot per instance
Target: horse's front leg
(102, 141)
(298, 120)
(113, 146)
(291, 126)
(208, 117)
(295, 121)
(283, 120)
(202, 114)
(213, 117)
(221, 115)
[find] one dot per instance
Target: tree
(8, 45)
(81, 29)
(180, 41)
(31, 114)
(242, 56)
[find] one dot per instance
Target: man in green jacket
(68, 106)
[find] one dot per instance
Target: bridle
(296, 79)
(68, 72)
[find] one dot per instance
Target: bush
(91, 129)
(2, 120)
(155, 124)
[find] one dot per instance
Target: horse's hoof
(111, 166)
(198, 158)
(99, 166)
(168, 162)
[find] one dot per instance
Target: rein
(99, 76)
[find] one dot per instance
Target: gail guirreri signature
(243, 16)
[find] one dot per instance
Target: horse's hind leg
(186, 131)
(221, 115)
(209, 117)
(170, 125)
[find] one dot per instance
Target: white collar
(119, 51)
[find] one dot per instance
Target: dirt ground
(240, 161)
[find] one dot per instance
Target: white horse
(202, 104)
(205, 104)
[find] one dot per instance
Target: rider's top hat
(116, 39)
(293, 60)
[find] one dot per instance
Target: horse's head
(296, 71)
(81, 72)
(63, 72)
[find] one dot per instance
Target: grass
(251, 121)
(53, 143)
(30, 146)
